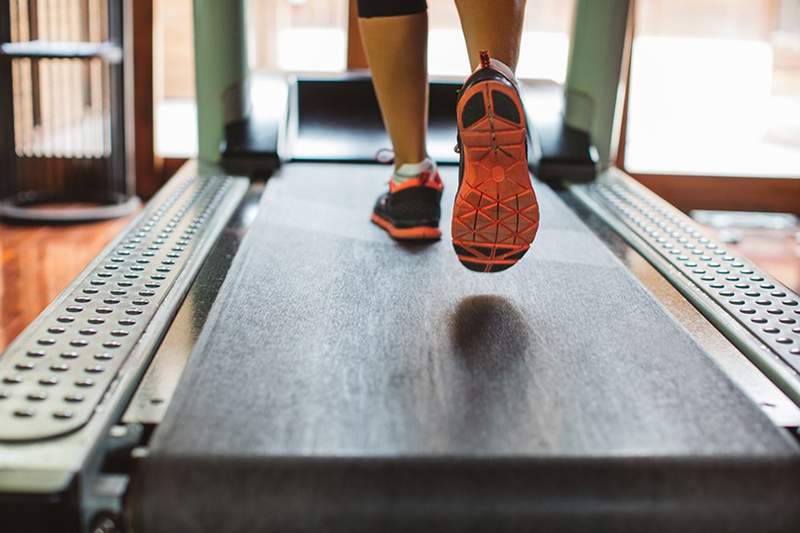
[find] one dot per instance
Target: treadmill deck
(349, 382)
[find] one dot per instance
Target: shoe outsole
(495, 215)
(425, 233)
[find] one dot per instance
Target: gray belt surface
(345, 382)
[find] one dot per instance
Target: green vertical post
(593, 73)
(221, 71)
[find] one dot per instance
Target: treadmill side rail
(756, 312)
(134, 286)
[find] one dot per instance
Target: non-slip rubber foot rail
(766, 308)
(54, 376)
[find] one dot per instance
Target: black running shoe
(411, 210)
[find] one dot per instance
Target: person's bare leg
(396, 49)
(495, 26)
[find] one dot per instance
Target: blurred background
(714, 88)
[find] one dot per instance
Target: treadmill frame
(70, 473)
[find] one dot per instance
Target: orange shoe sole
(425, 233)
(495, 215)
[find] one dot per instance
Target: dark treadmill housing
(345, 382)
(337, 119)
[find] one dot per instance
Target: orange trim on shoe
(415, 233)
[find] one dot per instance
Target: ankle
(503, 68)
(405, 159)
(407, 171)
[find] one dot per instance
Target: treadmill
(251, 354)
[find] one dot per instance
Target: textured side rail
(764, 307)
(54, 376)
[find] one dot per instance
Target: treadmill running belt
(345, 382)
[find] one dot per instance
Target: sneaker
(411, 209)
(495, 215)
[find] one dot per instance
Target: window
(283, 35)
(715, 88)
(298, 35)
(173, 79)
(311, 36)
(544, 48)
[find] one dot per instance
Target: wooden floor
(39, 262)
(779, 255)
